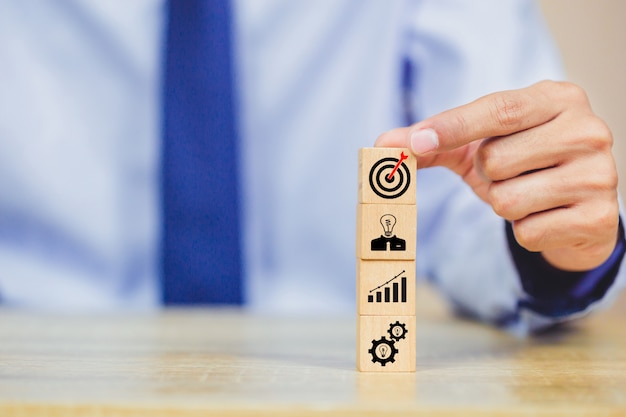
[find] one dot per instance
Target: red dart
(391, 174)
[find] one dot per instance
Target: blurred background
(592, 39)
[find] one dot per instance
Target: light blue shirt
(80, 145)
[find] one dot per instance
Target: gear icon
(383, 351)
(397, 331)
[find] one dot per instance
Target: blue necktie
(201, 244)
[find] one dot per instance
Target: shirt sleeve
(558, 294)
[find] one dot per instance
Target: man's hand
(540, 157)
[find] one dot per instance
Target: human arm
(540, 158)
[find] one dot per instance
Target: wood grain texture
(385, 343)
(385, 288)
(377, 164)
(386, 231)
(201, 362)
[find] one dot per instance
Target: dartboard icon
(390, 178)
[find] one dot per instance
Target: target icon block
(386, 175)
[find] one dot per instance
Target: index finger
(496, 114)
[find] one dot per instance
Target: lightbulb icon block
(386, 231)
(386, 344)
(386, 175)
(385, 288)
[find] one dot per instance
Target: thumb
(422, 142)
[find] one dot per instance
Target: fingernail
(424, 141)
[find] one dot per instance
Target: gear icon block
(386, 344)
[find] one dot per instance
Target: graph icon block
(385, 287)
(386, 343)
(386, 231)
(386, 175)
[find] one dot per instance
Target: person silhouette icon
(388, 241)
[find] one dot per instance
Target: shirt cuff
(555, 293)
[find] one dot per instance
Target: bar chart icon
(392, 291)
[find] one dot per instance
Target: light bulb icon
(388, 242)
(382, 350)
(388, 222)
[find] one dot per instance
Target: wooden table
(201, 362)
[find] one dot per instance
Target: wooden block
(386, 176)
(385, 288)
(386, 343)
(386, 231)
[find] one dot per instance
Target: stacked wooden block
(386, 244)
